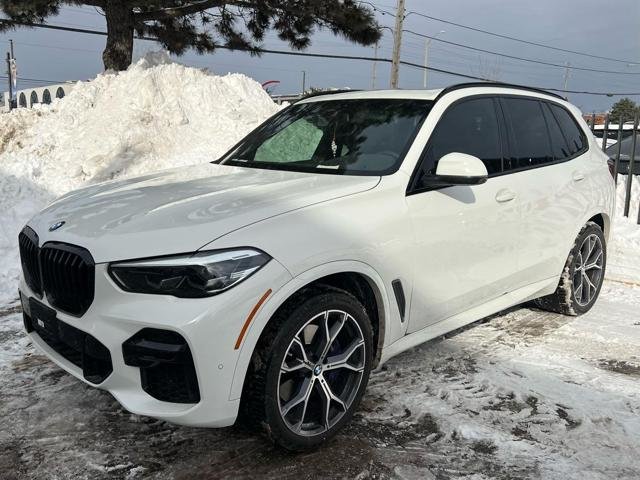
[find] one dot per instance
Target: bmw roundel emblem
(56, 226)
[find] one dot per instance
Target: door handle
(578, 176)
(505, 195)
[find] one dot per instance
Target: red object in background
(270, 83)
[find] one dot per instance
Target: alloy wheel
(321, 373)
(587, 274)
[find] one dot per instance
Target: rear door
(466, 237)
(545, 163)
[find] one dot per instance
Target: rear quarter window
(573, 134)
(561, 150)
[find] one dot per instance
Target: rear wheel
(582, 276)
(310, 369)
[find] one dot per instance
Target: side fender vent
(399, 293)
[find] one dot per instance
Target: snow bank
(624, 247)
(156, 115)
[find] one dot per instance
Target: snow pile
(624, 247)
(156, 115)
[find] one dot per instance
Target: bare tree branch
(176, 12)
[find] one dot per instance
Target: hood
(180, 210)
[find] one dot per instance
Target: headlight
(198, 275)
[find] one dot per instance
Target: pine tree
(625, 109)
(204, 25)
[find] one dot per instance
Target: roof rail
(327, 92)
(460, 86)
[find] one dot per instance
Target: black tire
(260, 398)
(566, 298)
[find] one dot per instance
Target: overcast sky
(600, 27)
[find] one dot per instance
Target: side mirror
(458, 169)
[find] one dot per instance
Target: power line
(34, 80)
(500, 35)
(316, 55)
(55, 47)
(520, 40)
(522, 59)
(376, 8)
(87, 12)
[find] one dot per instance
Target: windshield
(352, 137)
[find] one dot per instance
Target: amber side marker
(247, 322)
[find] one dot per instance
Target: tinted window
(469, 127)
(530, 144)
(558, 142)
(573, 134)
(358, 137)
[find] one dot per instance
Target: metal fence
(631, 166)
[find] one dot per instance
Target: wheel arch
(603, 221)
(366, 291)
(355, 277)
(600, 218)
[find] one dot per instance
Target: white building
(29, 97)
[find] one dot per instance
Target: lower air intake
(167, 371)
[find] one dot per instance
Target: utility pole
(566, 75)
(374, 67)
(11, 72)
(304, 80)
(427, 42)
(397, 41)
(10, 80)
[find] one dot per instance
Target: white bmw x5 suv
(344, 230)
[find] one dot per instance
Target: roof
(422, 94)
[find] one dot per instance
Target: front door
(466, 237)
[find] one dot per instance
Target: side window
(530, 145)
(296, 143)
(558, 142)
(574, 135)
(469, 127)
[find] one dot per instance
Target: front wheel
(311, 368)
(582, 275)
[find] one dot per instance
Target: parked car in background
(626, 147)
(346, 229)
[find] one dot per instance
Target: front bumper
(210, 326)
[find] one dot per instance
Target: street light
(427, 42)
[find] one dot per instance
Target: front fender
(279, 297)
